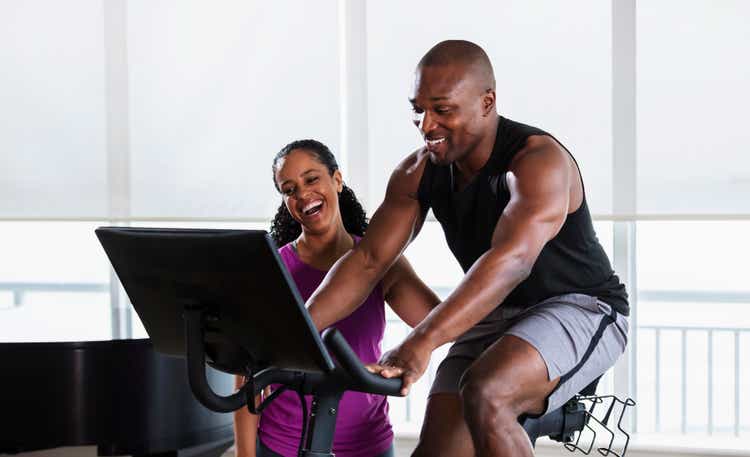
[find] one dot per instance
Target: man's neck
(469, 165)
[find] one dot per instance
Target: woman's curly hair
(284, 228)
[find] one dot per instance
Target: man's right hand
(409, 360)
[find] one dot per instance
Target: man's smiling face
(448, 106)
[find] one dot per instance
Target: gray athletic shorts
(578, 336)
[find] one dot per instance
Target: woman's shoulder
(286, 253)
(283, 250)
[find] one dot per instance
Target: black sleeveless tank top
(571, 262)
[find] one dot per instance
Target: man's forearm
(482, 289)
(344, 288)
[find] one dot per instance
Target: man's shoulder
(408, 172)
(540, 149)
(414, 162)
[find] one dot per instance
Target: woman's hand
(245, 425)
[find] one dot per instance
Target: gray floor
(403, 449)
(404, 446)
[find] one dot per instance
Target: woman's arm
(406, 294)
(245, 427)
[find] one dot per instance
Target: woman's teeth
(312, 207)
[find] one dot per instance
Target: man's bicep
(523, 232)
(538, 206)
(391, 228)
(398, 219)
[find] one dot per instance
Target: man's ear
(488, 102)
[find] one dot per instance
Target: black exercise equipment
(567, 423)
(224, 298)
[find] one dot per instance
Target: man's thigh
(444, 431)
(577, 336)
(510, 377)
(571, 334)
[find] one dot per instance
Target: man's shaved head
(465, 54)
(453, 100)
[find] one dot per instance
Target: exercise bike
(220, 297)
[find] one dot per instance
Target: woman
(320, 220)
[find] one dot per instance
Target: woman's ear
(339, 180)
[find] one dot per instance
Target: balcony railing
(20, 289)
(711, 349)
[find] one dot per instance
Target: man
(539, 313)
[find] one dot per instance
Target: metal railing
(20, 289)
(709, 332)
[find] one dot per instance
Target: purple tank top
(362, 426)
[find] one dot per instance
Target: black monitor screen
(254, 316)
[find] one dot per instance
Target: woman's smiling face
(310, 192)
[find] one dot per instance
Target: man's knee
(488, 399)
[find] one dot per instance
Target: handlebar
(351, 375)
(364, 381)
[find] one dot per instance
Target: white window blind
(216, 91)
(52, 109)
(552, 63)
(693, 104)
